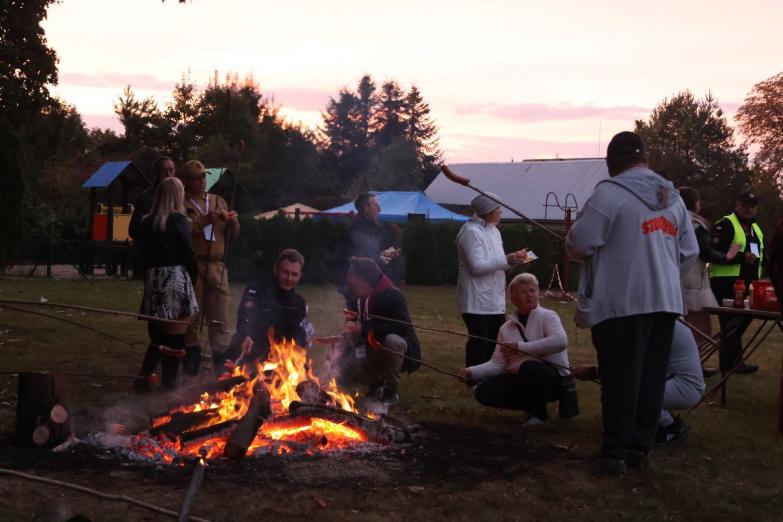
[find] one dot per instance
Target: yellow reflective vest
(733, 270)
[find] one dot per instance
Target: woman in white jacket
(525, 368)
(481, 278)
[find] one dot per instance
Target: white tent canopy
(525, 185)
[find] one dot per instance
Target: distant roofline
(532, 160)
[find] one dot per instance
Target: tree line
(373, 136)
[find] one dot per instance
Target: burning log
(377, 430)
(42, 416)
(184, 421)
(310, 392)
(192, 394)
(243, 435)
(209, 431)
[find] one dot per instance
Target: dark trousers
(529, 390)
(731, 350)
(477, 351)
(633, 360)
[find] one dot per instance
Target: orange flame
(286, 366)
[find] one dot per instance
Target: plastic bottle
(750, 295)
(739, 293)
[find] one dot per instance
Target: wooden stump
(42, 416)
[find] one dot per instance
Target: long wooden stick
(456, 178)
(95, 493)
(99, 311)
(73, 323)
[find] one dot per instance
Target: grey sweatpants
(685, 384)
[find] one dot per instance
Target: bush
(430, 251)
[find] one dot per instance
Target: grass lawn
(479, 463)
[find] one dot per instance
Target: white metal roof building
(525, 185)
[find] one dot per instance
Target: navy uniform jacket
(265, 305)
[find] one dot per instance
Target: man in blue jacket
(636, 238)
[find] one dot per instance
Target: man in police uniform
(270, 303)
(211, 223)
(739, 227)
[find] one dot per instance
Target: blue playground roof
(395, 206)
(108, 172)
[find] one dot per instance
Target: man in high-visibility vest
(739, 228)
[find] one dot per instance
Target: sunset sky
(504, 79)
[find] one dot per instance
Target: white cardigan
(547, 340)
(481, 278)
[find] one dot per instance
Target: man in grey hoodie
(636, 240)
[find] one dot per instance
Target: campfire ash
(279, 407)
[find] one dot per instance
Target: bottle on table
(739, 294)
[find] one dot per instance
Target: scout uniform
(209, 241)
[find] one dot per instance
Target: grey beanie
(482, 205)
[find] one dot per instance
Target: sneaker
(672, 434)
(534, 421)
(707, 372)
(390, 397)
(745, 368)
(603, 466)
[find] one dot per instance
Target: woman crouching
(529, 358)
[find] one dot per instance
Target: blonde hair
(169, 199)
(525, 278)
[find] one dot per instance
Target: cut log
(41, 435)
(59, 414)
(310, 392)
(248, 426)
(184, 421)
(42, 403)
(377, 430)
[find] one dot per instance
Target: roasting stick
(351, 313)
(100, 311)
(73, 323)
(456, 178)
(195, 482)
(95, 493)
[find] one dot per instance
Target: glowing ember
(285, 368)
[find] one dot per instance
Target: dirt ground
(468, 463)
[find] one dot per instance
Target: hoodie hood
(650, 188)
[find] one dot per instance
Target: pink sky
(514, 79)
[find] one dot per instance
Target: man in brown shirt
(210, 221)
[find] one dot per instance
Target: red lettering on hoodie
(660, 224)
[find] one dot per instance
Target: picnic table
(735, 316)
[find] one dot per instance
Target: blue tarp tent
(395, 206)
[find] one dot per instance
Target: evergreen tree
(144, 123)
(691, 141)
(423, 133)
(389, 121)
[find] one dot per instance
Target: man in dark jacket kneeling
(270, 307)
(376, 346)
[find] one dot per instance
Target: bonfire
(278, 407)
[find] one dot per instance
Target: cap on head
(193, 169)
(624, 150)
(483, 205)
(748, 197)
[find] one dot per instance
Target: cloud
(116, 81)
(537, 112)
(103, 121)
(471, 148)
(301, 98)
